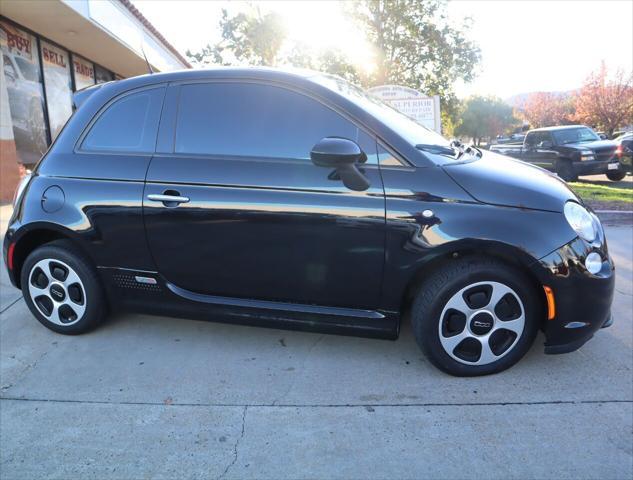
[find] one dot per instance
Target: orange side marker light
(551, 304)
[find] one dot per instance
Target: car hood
(500, 180)
(596, 146)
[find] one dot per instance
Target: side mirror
(343, 155)
(602, 136)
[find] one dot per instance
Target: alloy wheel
(57, 292)
(481, 323)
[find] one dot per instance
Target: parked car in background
(570, 151)
(511, 139)
(297, 200)
(624, 151)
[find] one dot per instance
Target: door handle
(169, 200)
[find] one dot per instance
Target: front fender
(422, 227)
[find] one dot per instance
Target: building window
(102, 75)
(23, 85)
(58, 86)
(84, 72)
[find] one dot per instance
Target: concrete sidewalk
(155, 397)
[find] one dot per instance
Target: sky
(526, 45)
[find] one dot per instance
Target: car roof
(557, 127)
(287, 73)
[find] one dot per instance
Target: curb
(616, 217)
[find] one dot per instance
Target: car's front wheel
(565, 170)
(476, 316)
(62, 290)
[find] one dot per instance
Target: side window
(254, 120)
(388, 159)
(128, 125)
(531, 139)
(547, 137)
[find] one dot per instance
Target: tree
(250, 37)
(544, 109)
(606, 102)
(485, 117)
(416, 45)
(414, 42)
(330, 60)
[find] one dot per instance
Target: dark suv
(295, 199)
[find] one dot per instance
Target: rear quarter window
(129, 124)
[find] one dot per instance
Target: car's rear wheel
(616, 175)
(565, 170)
(62, 290)
(476, 316)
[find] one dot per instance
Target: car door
(539, 149)
(256, 218)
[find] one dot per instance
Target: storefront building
(51, 49)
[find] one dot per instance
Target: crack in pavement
(624, 293)
(28, 366)
(303, 364)
(11, 304)
(237, 443)
(316, 405)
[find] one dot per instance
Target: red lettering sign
(53, 57)
(18, 42)
(84, 70)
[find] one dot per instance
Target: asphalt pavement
(157, 397)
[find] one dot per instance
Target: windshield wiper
(455, 150)
(437, 149)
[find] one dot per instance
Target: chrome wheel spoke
(54, 316)
(36, 291)
(498, 292)
(458, 303)
(515, 326)
(71, 279)
(487, 356)
(449, 343)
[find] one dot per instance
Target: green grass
(602, 193)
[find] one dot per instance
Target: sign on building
(424, 110)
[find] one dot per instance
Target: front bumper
(626, 163)
(583, 300)
(593, 167)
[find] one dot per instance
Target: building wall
(37, 81)
(9, 170)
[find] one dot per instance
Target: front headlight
(581, 221)
(587, 155)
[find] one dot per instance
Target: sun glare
(322, 25)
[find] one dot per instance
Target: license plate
(613, 166)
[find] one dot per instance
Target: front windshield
(407, 128)
(575, 135)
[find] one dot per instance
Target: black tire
(615, 175)
(444, 284)
(565, 170)
(85, 298)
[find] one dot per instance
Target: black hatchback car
(296, 200)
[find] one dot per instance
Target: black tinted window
(535, 138)
(252, 120)
(128, 125)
